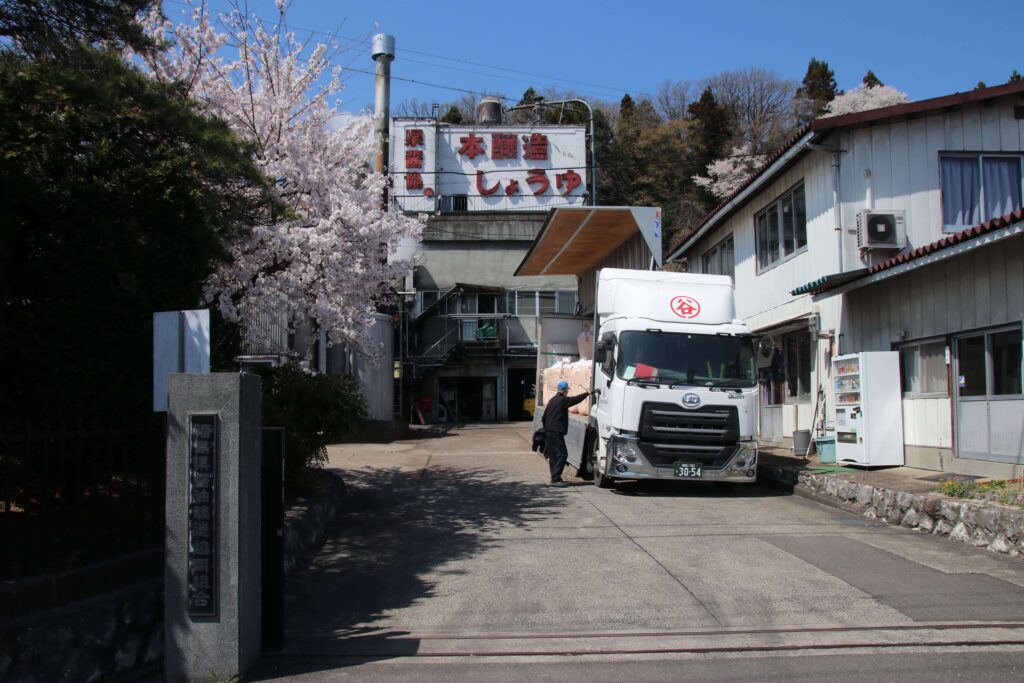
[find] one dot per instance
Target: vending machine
(869, 408)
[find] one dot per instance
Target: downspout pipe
(836, 208)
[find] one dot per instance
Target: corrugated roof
(829, 282)
(946, 242)
(826, 282)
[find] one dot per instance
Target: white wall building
(941, 279)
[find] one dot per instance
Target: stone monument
(212, 577)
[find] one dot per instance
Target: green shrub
(314, 410)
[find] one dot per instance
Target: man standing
(556, 425)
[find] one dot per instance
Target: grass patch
(1003, 491)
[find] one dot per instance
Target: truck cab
(674, 390)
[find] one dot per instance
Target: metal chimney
(383, 52)
(489, 111)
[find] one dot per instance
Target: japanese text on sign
(203, 455)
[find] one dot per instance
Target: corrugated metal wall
(633, 253)
(979, 288)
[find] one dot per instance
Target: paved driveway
(454, 545)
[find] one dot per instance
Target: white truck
(674, 389)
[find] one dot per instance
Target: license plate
(688, 470)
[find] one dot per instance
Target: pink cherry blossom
(327, 262)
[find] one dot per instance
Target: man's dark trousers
(554, 448)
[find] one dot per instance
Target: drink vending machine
(869, 408)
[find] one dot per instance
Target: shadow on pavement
(398, 528)
(696, 489)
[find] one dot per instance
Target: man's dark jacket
(556, 412)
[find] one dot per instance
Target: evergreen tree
(117, 197)
(1014, 77)
(711, 131)
(453, 115)
(871, 80)
(58, 27)
(816, 90)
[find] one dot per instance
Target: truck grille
(671, 434)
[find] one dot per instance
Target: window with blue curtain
(978, 188)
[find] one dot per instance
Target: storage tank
(488, 112)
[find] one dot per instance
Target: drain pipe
(836, 209)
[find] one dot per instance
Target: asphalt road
(456, 561)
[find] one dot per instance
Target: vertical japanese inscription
(203, 456)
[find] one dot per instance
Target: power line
(364, 41)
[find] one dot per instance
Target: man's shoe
(559, 483)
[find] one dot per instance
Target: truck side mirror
(600, 351)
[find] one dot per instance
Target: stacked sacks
(579, 382)
(552, 376)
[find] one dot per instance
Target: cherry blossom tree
(324, 260)
(865, 97)
(726, 175)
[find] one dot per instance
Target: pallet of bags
(574, 385)
(585, 370)
(552, 376)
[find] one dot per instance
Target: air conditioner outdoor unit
(881, 229)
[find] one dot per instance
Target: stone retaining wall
(980, 524)
(307, 519)
(119, 634)
(108, 638)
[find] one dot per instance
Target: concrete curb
(997, 528)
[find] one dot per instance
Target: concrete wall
(480, 249)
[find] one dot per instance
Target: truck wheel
(600, 479)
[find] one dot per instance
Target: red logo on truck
(685, 307)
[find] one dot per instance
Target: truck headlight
(625, 451)
(747, 455)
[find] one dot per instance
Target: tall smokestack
(383, 54)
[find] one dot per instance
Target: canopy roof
(576, 239)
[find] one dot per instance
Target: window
(469, 303)
(923, 368)
(1006, 363)
(781, 228)
(487, 303)
(720, 259)
(990, 364)
(427, 299)
(687, 359)
(547, 302)
(798, 365)
(608, 364)
(566, 303)
(526, 303)
(977, 188)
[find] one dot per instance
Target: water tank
(489, 111)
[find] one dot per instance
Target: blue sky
(603, 49)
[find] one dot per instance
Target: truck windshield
(697, 359)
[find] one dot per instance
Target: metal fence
(79, 490)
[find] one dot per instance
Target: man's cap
(563, 385)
